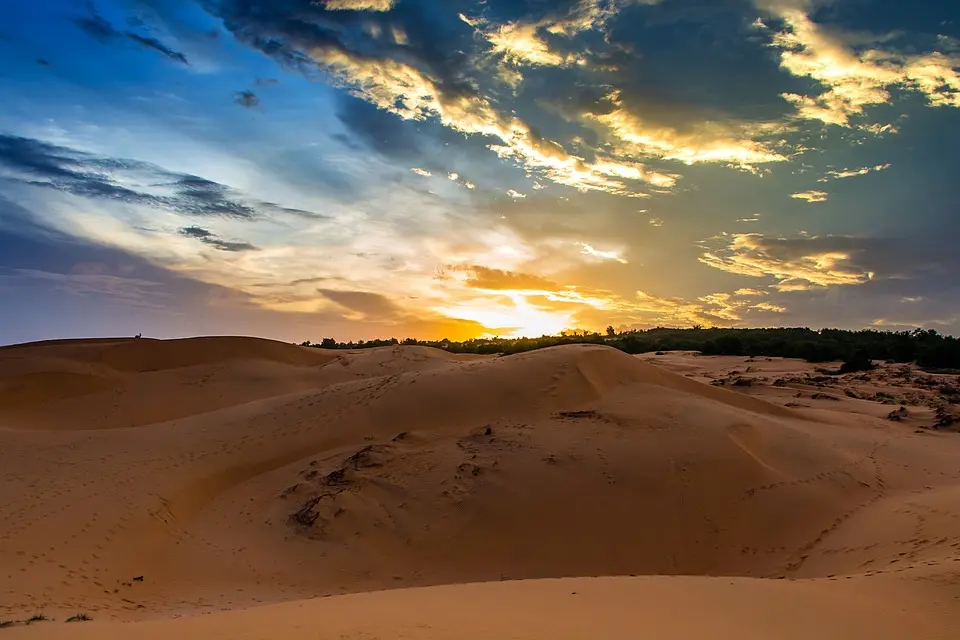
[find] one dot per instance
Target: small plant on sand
(6, 623)
(80, 617)
(37, 618)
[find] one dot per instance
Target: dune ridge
(235, 472)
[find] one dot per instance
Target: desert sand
(243, 488)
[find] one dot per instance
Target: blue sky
(370, 168)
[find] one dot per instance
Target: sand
(244, 488)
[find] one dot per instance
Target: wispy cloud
(811, 196)
(101, 286)
(358, 5)
(209, 238)
(588, 250)
(852, 173)
(153, 43)
(793, 264)
(41, 164)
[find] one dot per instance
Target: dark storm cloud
(433, 40)
(210, 239)
(153, 43)
(41, 164)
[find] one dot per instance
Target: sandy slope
(236, 472)
(661, 607)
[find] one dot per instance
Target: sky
(357, 169)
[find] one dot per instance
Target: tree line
(927, 347)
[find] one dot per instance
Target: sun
(519, 320)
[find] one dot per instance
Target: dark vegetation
(80, 617)
(4, 624)
(928, 348)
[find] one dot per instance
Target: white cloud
(421, 172)
(588, 250)
(516, 195)
(852, 173)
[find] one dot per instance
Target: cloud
(853, 173)
(854, 78)
(737, 144)
(153, 43)
(358, 5)
(104, 287)
(367, 304)
(794, 264)
(95, 25)
(587, 250)
(769, 306)
(429, 79)
(520, 43)
(100, 28)
(712, 310)
(246, 99)
(209, 238)
(41, 164)
(811, 196)
(516, 195)
(402, 89)
(525, 42)
(266, 82)
(421, 172)
(480, 277)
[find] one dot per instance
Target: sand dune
(235, 472)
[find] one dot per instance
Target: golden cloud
(520, 43)
(359, 5)
(404, 90)
(854, 80)
(480, 277)
(811, 196)
(734, 144)
(795, 265)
